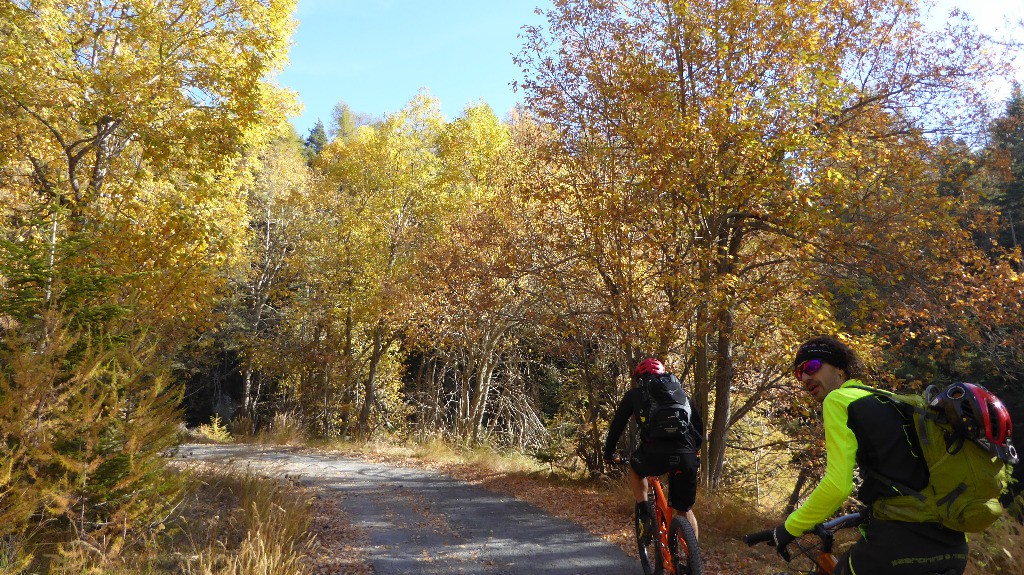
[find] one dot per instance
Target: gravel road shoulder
(416, 521)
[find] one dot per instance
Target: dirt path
(422, 522)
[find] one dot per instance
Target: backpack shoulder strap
(641, 408)
(875, 391)
(923, 414)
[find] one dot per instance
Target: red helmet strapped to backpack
(978, 414)
(649, 365)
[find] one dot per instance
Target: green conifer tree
(1007, 149)
(315, 141)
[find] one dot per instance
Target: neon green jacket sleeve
(841, 449)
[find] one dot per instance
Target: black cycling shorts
(899, 548)
(682, 486)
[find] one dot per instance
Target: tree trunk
(724, 371)
(369, 388)
(484, 382)
(728, 247)
(702, 377)
(794, 497)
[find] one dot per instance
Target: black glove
(782, 538)
(612, 458)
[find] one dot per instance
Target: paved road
(421, 522)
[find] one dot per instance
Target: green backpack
(964, 480)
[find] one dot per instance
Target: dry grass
(246, 524)
(285, 428)
(230, 522)
(236, 523)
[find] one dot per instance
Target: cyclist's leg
(905, 549)
(641, 466)
(648, 546)
(638, 485)
(683, 486)
(693, 523)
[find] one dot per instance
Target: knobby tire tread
(691, 564)
(650, 554)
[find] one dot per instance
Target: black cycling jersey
(887, 445)
(631, 405)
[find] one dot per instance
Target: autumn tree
(123, 126)
(280, 212)
(378, 206)
(475, 282)
(344, 121)
(724, 169)
(967, 326)
(109, 110)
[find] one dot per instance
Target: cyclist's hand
(781, 537)
(614, 459)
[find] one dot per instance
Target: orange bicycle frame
(826, 563)
(661, 502)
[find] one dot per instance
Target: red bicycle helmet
(649, 365)
(978, 414)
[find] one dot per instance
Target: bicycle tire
(682, 544)
(649, 551)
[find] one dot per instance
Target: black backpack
(665, 411)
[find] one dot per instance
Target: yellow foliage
(214, 431)
(108, 112)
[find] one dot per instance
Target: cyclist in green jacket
(861, 430)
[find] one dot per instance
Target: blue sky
(377, 54)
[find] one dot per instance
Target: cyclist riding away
(659, 451)
(863, 430)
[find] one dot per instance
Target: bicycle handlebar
(759, 537)
(617, 460)
(823, 530)
(843, 521)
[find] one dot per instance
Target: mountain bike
(818, 549)
(815, 548)
(672, 549)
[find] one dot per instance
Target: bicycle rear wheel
(682, 544)
(649, 548)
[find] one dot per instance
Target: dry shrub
(728, 516)
(264, 528)
(243, 428)
(286, 428)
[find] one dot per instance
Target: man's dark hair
(831, 350)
